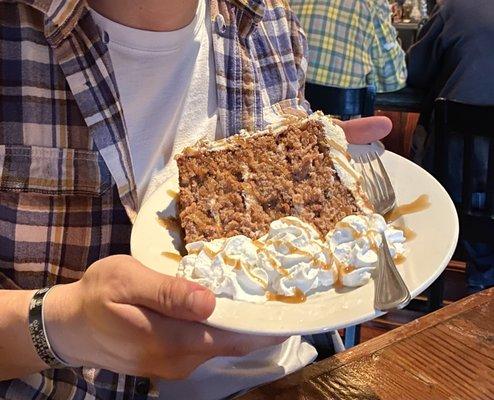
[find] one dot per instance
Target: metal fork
(390, 290)
(377, 186)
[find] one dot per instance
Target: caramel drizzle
(339, 148)
(407, 232)
(322, 264)
(232, 262)
(210, 253)
(172, 193)
(346, 269)
(338, 284)
(340, 267)
(347, 168)
(367, 202)
(345, 225)
(172, 256)
(297, 297)
(358, 235)
(235, 263)
(274, 263)
(419, 204)
(294, 250)
(239, 265)
(258, 244)
(170, 223)
(296, 223)
(399, 259)
(374, 246)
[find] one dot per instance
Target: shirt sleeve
(300, 52)
(388, 58)
(424, 57)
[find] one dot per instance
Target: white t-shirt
(167, 89)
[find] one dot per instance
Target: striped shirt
(352, 44)
(67, 190)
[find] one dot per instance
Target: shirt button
(142, 386)
(106, 37)
(219, 24)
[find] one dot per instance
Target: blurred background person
(353, 53)
(453, 59)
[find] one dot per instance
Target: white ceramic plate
(429, 253)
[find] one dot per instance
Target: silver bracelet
(38, 334)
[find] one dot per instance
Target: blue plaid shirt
(67, 190)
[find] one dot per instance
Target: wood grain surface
(399, 140)
(448, 354)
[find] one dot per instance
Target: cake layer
(241, 184)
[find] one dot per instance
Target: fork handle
(391, 291)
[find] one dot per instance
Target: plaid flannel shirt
(67, 191)
(352, 44)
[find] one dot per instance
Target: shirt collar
(61, 16)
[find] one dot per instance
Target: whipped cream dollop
(296, 258)
(354, 244)
(226, 266)
(292, 260)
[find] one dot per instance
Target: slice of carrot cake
(239, 185)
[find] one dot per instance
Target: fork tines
(377, 185)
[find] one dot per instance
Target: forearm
(18, 356)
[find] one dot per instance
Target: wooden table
(448, 354)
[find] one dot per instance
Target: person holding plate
(96, 98)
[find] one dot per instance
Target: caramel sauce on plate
(298, 297)
(172, 193)
(419, 204)
(170, 223)
(172, 256)
(174, 228)
(407, 232)
(399, 259)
